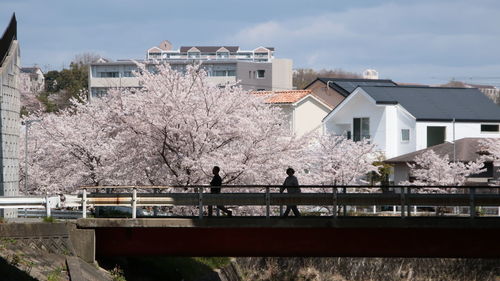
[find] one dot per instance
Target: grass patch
(56, 274)
(49, 219)
(214, 262)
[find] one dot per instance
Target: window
(128, 74)
(489, 128)
(108, 74)
(261, 74)
(222, 55)
(193, 55)
(405, 135)
(361, 128)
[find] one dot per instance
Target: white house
(303, 110)
(404, 119)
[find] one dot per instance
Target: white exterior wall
(462, 130)
(405, 121)
(360, 106)
(308, 115)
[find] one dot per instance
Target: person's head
(290, 171)
(215, 170)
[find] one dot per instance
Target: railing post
(335, 203)
(403, 190)
(200, 202)
(47, 205)
(268, 203)
(84, 203)
(134, 203)
(472, 202)
(344, 206)
(408, 207)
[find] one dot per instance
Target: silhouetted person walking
(292, 185)
(217, 181)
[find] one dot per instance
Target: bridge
(405, 231)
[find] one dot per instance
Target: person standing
(292, 185)
(217, 182)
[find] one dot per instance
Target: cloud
(455, 36)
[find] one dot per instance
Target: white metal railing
(40, 202)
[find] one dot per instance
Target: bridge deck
(352, 236)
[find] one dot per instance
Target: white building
(9, 111)
(253, 70)
(32, 80)
(303, 110)
(401, 119)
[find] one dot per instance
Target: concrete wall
(282, 75)
(328, 95)
(10, 125)
(246, 73)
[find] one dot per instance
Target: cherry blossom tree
(172, 131)
(336, 160)
(492, 147)
(432, 169)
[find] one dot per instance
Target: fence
(335, 198)
(332, 196)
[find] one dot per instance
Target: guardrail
(334, 196)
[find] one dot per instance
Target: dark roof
(439, 104)
(28, 69)
(210, 49)
(466, 150)
(9, 35)
(346, 86)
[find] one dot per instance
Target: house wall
(360, 106)
(401, 172)
(308, 115)
(462, 130)
(328, 95)
(405, 121)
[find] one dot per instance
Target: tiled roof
(284, 97)
(345, 86)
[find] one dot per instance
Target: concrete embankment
(49, 250)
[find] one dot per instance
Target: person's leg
(295, 211)
(225, 210)
(287, 211)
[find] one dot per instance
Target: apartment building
(9, 110)
(256, 70)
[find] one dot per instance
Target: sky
(425, 41)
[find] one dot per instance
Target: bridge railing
(314, 195)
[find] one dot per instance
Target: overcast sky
(408, 41)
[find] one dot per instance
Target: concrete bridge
(305, 236)
(464, 235)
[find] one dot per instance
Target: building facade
(302, 110)
(401, 120)
(31, 80)
(256, 70)
(9, 114)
